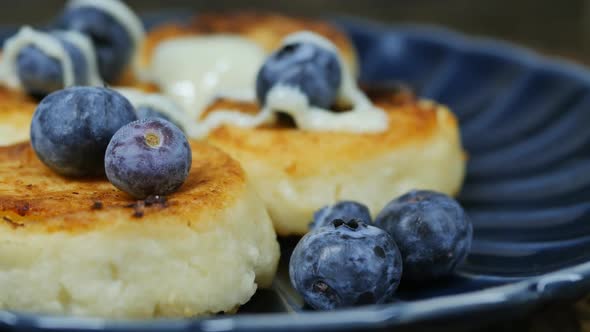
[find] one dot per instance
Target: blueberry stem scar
(152, 140)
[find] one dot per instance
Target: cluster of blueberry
(40, 73)
(347, 259)
(85, 131)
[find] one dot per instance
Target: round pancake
(297, 172)
(265, 29)
(82, 247)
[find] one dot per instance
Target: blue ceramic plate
(524, 121)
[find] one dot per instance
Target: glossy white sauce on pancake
(194, 71)
(363, 118)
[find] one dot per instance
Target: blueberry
(345, 264)
(71, 128)
(41, 74)
(147, 112)
(345, 210)
(313, 69)
(112, 42)
(148, 157)
(432, 231)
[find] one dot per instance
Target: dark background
(554, 27)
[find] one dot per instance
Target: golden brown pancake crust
(16, 111)
(32, 197)
(266, 29)
(11, 100)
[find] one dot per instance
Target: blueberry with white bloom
(345, 263)
(113, 43)
(41, 62)
(432, 231)
(313, 69)
(72, 128)
(148, 157)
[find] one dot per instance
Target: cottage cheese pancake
(297, 172)
(82, 247)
